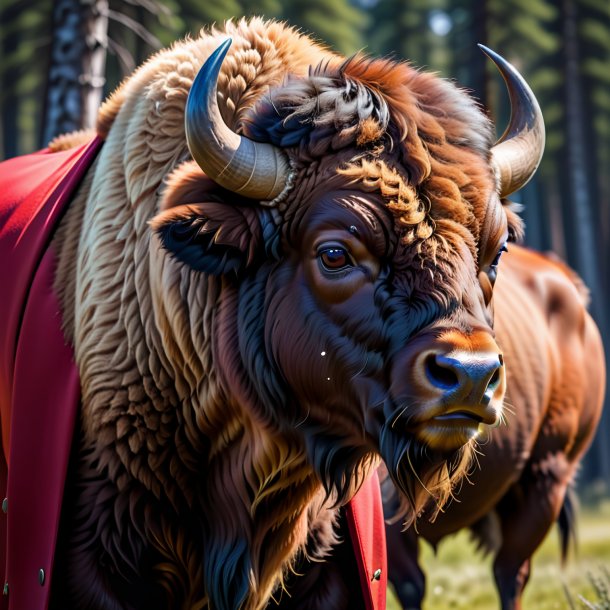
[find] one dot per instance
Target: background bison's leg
(404, 571)
(526, 513)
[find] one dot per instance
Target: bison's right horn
(256, 170)
(516, 155)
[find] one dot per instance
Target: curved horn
(253, 169)
(516, 155)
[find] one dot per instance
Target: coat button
(41, 576)
(5, 505)
(376, 575)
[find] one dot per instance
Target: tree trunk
(76, 73)
(582, 240)
(554, 217)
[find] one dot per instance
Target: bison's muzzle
(455, 384)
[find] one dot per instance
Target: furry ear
(215, 238)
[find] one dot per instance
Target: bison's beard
(340, 466)
(425, 477)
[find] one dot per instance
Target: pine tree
(197, 14)
(467, 64)
(591, 241)
(334, 22)
(262, 8)
(526, 32)
(594, 33)
(415, 31)
(24, 36)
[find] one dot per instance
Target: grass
(459, 578)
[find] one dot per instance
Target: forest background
(58, 58)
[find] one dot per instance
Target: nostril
(440, 376)
(495, 379)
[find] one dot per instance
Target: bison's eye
(496, 261)
(335, 258)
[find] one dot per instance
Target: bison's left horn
(256, 170)
(516, 155)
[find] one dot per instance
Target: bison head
(356, 221)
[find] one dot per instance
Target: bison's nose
(466, 379)
(449, 386)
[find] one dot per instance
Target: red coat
(39, 402)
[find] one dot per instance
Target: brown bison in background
(555, 374)
(264, 304)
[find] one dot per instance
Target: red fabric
(46, 385)
(39, 385)
(34, 190)
(367, 530)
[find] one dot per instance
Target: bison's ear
(213, 237)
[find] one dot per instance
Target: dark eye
(335, 258)
(496, 260)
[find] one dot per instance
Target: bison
(277, 272)
(555, 372)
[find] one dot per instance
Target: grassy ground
(460, 579)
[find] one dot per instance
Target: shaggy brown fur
(214, 448)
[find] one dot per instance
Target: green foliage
(167, 23)
(523, 28)
(601, 586)
(24, 36)
(460, 578)
(594, 36)
(24, 21)
(337, 23)
(405, 30)
(196, 14)
(334, 22)
(595, 32)
(528, 33)
(262, 8)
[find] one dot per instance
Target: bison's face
(387, 347)
(397, 340)
(355, 317)
(360, 343)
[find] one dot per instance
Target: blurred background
(59, 58)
